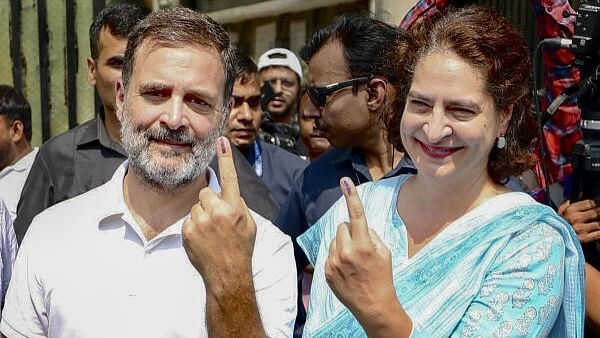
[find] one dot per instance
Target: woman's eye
(462, 113)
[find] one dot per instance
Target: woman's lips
(436, 151)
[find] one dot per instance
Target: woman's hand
(359, 272)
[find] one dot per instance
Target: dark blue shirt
(279, 169)
(318, 188)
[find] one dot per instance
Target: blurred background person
(314, 140)
(16, 153)
(8, 250)
(277, 168)
(281, 79)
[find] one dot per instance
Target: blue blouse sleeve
(522, 294)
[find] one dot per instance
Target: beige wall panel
(5, 60)
(85, 92)
(59, 121)
(31, 65)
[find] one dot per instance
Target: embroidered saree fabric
(509, 267)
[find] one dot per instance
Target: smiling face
(245, 117)
(172, 113)
(450, 122)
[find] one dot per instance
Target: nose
(437, 127)
(175, 117)
(311, 111)
(243, 113)
(277, 87)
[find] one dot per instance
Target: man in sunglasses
(277, 168)
(350, 88)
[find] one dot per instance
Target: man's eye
(288, 83)
(156, 94)
(419, 103)
(198, 104)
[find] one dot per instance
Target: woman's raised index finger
(356, 212)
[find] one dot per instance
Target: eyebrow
(453, 102)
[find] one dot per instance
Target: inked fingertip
(346, 185)
(222, 146)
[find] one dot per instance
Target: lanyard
(258, 159)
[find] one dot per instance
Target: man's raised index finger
(227, 173)
(356, 211)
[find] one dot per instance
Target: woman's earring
(501, 142)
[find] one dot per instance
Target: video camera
(586, 153)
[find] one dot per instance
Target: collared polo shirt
(12, 180)
(85, 270)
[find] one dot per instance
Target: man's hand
(359, 271)
(584, 216)
(219, 236)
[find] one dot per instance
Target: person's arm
(219, 241)
(359, 272)
(522, 293)
(36, 196)
(584, 216)
(592, 298)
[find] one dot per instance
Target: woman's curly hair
(490, 44)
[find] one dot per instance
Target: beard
(162, 169)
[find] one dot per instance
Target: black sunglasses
(253, 101)
(318, 95)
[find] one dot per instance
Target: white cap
(280, 57)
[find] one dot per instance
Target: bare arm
(592, 298)
(219, 241)
(233, 312)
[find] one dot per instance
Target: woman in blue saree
(450, 251)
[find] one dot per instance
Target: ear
(17, 132)
(505, 117)
(229, 107)
(120, 99)
(91, 70)
(376, 94)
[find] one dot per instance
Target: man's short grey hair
(178, 27)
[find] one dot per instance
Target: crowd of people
(218, 197)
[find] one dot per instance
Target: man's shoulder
(75, 212)
(287, 158)
(329, 161)
(267, 233)
(69, 139)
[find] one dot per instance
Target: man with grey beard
(162, 249)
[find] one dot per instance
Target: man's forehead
(116, 43)
(251, 88)
(278, 71)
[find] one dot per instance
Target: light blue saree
(510, 267)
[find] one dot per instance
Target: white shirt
(12, 180)
(8, 249)
(85, 270)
